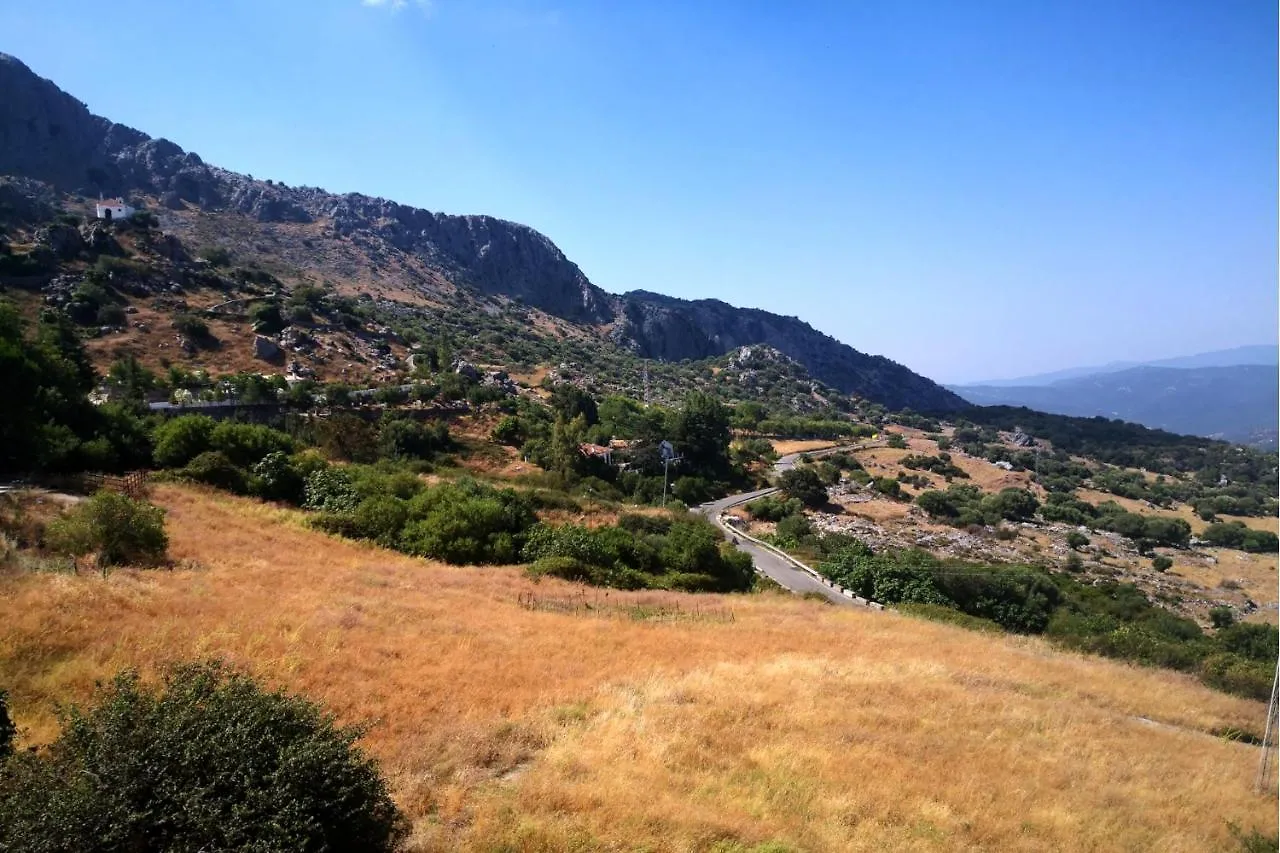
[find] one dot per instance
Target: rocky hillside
(49, 136)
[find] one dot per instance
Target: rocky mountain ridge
(48, 135)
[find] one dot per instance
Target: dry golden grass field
(505, 727)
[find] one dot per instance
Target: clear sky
(976, 189)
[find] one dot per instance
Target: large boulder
(63, 240)
(266, 349)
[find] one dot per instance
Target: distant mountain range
(1236, 402)
(1259, 354)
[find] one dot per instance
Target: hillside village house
(113, 209)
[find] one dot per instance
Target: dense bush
(214, 468)
(467, 522)
(670, 552)
(119, 529)
(940, 464)
(193, 327)
(210, 762)
(406, 438)
(1107, 618)
(182, 439)
(331, 490)
(963, 505)
(804, 484)
(1234, 534)
(774, 507)
(887, 486)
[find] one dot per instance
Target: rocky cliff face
(663, 327)
(48, 135)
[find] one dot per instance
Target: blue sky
(975, 189)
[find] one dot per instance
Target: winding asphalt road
(768, 563)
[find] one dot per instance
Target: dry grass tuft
(509, 727)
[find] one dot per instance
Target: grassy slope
(822, 729)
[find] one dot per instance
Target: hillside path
(770, 563)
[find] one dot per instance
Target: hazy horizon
(990, 191)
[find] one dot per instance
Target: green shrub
(217, 256)
(773, 508)
(792, 529)
(565, 568)
(248, 444)
(213, 468)
(897, 441)
(1076, 540)
(209, 762)
(1238, 675)
(1234, 534)
(949, 615)
(1161, 563)
(192, 327)
(467, 523)
(111, 314)
(405, 438)
(276, 477)
(887, 486)
(508, 432)
(182, 439)
(381, 519)
(1222, 617)
(266, 318)
(804, 484)
(330, 489)
(119, 529)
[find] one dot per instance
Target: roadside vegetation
(1113, 619)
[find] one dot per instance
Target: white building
(114, 209)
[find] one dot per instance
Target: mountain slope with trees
(49, 136)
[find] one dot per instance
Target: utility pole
(668, 452)
(1269, 734)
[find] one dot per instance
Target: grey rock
(63, 240)
(266, 349)
(467, 369)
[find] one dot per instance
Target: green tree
(804, 484)
(118, 528)
(1222, 617)
(44, 382)
(130, 380)
(209, 762)
(266, 317)
(700, 432)
(182, 439)
(508, 432)
(887, 486)
(570, 401)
